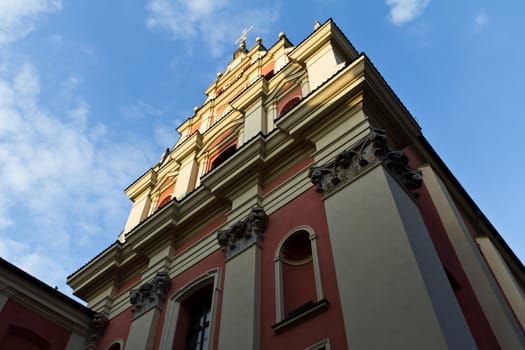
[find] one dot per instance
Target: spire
(242, 38)
(242, 42)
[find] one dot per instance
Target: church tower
(302, 208)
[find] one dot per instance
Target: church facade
(302, 208)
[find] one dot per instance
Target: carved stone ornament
(99, 323)
(150, 294)
(243, 233)
(348, 164)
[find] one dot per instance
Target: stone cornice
(337, 89)
(386, 110)
(254, 92)
(141, 184)
(191, 145)
(327, 33)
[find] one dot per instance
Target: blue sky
(91, 93)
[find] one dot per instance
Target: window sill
(307, 314)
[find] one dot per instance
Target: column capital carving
(349, 164)
(98, 326)
(151, 294)
(244, 233)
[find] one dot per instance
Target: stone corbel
(349, 164)
(99, 323)
(243, 233)
(151, 294)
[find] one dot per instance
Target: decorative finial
(316, 25)
(195, 109)
(242, 38)
(258, 40)
(219, 75)
(282, 35)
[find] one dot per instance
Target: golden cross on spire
(242, 38)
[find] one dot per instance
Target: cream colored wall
(76, 342)
(496, 310)
(385, 264)
(321, 66)
(240, 316)
(138, 212)
(143, 329)
(446, 307)
(254, 121)
(513, 292)
(187, 177)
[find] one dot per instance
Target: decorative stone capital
(349, 164)
(151, 294)
(99, 323)
(243, 233)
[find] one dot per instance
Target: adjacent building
(302, 208)
(35, 316)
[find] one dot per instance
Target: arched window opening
(115, 346)
(191, 315)
(269, 75)
(298, 288)
(198, 308)
(289, 105)
(221, 158)
(297, 274)
(194, 320)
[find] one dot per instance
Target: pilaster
(240, 318)
(493, 303)
(394, 292)
(147, 301)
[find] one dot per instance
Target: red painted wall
(118, 328)
(23, 328)
(298, 285)
(469, 303)
(306, 209)
(214, 260)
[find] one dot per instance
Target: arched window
(117, 345)
(223, 156)
(196, 312)
(289, 105)
(190, 316)
(298, 279)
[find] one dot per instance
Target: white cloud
(18, 17)
(404, 11)
(481, 19)
(62, 176)
(34, 263)
(217, 23)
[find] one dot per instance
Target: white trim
(278, 260)
(3, 300)
(116, 341)
(173, 307)
(323, 343)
